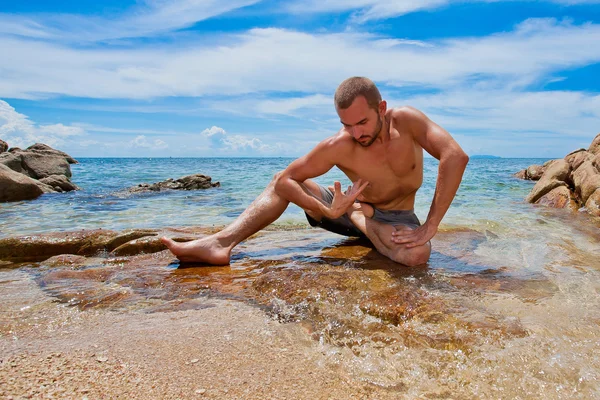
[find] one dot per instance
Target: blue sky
(198, 78)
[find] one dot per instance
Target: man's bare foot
(206, 250)
(365, 208)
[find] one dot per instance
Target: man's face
(362, 122)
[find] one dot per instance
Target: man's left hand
(415, 237)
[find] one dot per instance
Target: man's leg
(380, 235)
(216, 249)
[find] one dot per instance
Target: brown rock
(595, 146)
(16, 187)
(66, 260)
(59, 183)
(148, 244)
(13, 161)
(586, 180)
(555, 175)
(3, 146)
(522, 174)
(42, 165)
(191, 182)
(593, 203)
(129, 235)
(41, 247)
(45, 149)
(560, 197)
(576, 158)
(535, 172)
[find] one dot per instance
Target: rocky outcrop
(533, 172)
(191, 182)
(90, 243)
(38, 166)
(572, 182)
(16, 187)
(3, 146)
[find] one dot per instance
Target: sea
(508, 306)
(488, 197)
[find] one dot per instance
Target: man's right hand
(344, 200)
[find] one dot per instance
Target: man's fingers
(337, 186)
(358, 187)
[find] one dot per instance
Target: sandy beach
(224, 349)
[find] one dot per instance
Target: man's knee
(277, 176)
(412, 257)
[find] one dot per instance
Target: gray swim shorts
(344, 226)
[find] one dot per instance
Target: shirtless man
(381, 152)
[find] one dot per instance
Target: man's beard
(376, 133)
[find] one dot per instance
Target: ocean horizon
(103, 203)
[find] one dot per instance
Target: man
(381, 151)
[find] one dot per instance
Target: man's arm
(320, 160)
(453, 161)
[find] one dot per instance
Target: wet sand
(304, 314)
(224, 349)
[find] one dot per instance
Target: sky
(252, 78)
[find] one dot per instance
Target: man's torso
(393, 169)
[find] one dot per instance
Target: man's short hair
(356, 86)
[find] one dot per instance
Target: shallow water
(508, 306)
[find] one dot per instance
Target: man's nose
(356, 133)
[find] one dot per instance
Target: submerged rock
(569, 182)
(190, 182)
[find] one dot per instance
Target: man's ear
(382, 107)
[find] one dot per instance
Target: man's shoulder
(406, 113)
(337, 142)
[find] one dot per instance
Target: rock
(535, 172)
(66, 260)
(595, 146)
(576, 158)
(531, 173)
(586, 180)
(559, 197)
(16, 187)
(555, 175)
(45, 149)
(44, 246)
(522, 174)
(593, 203)
(147, 244)
(90, 243)
(59, 183)
(191, 182)
(3, 146)
(41, 165)
(129, 235)
(13, 161)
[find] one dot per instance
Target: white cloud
(239, 144)
(271, 63)
(62, 130)
(19, 131)
(149, 17)
(142, 142)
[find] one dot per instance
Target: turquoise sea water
(488, 194)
